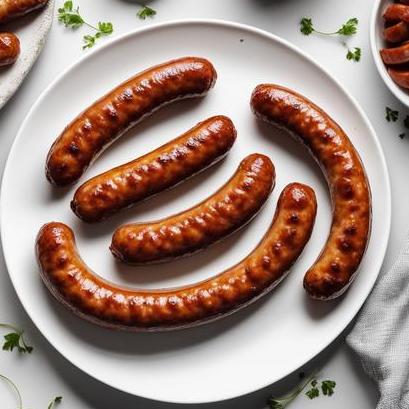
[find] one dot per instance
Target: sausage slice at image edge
(223, 213)
(124, 186)
(338, 263)
(9, 49)
(86, 137)
(12, 9)
(96, 300)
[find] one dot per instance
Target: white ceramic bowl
(377, 42)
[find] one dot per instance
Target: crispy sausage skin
(9, 49)
(401, 77)
(230, 208)
(123, 186)
(397, 33)
(339, 260)
(395, 55)
(396, 12)
(108, 118)
(96, 300)
(11, 9)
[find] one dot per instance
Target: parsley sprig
(391, 114)
(146, 12)
(327, 388)
(15, 339)
(71, 17)
(54, 402)
(347, 29)
(354, 55)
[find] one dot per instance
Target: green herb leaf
(284, 401)
(391, 115)
(349, 28)
(146, 12)
(313, 392)
(105, 28)
(354, 54)
(70, 17)
(328, 387)
(306, 26)
(406, 122)
(15, 339)
(55, 401)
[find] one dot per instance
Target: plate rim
(47, 18)
(223, 23)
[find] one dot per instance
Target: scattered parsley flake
(391, 115)
(146, 12)
(15, 339)
(328, 387)
(354, 55)
(54, 402)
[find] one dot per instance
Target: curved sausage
(395, 55)
(107, 119)
(11, 9)
(339, 260)
(230, 208)
(397, 12)
(103, 303)
(9, 49)
(400, 77)
(123, 186)
(397, 33)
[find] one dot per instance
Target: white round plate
(254, 347)
(377, 42)
(32, 31)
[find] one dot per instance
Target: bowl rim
(396, 90)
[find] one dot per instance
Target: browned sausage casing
(123, 186)
(107, 119)
(230, 208)
(9, 49)
(11, 9)
(96, 300)
(339, 260)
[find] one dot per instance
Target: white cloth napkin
(380, 336)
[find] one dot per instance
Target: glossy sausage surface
(397, 12)
(103, 122)
(395, 55)
(397, 33)
(341, 256)
(401, 77)
(230, 208)
(9, 49)
(11, 9)
(103, 303)
(163, 168)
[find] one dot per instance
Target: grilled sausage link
(230, 208)
(165, 167)
(108, 118)
(11, 9)
(9, 49)
(339, 260)
(103, 303)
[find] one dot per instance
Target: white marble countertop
(45, 373)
